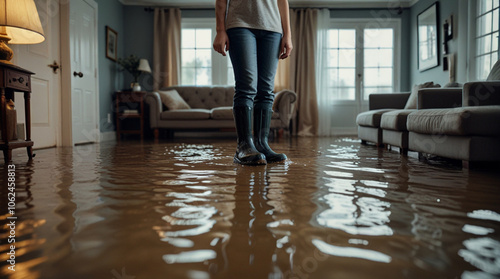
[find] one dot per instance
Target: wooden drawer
(18, 80)
(130, 97)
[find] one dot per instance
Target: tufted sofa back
(205, 97)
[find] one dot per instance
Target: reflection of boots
(262, 125)
(246, 153)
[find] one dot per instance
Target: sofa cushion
(495, 72)
(191, 114)
(395, 120)
(463, 121)
(207, 97)
(371, 118)
(222, 113)
(412, 100)
(172, 100)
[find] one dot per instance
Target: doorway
(361, 59)
(80, 109)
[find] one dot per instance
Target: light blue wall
(139, 26)
(111, 13)
(437, 75)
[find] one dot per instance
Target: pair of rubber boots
(254, 150)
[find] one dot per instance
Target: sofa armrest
(429, 98)
(284, 105)
(481, 93)
(155, 108)
(388, 100)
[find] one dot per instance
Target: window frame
(367, 23)
(219, 63)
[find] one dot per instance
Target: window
(200, 64)
(486, 39)
(361, 60)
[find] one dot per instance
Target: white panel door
(83, 51)
(45, 83)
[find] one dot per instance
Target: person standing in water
(257, 34)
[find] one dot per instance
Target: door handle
(54, 66)
(80, 74)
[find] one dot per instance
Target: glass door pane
(378, 65)
(341, 63)
(196, 49)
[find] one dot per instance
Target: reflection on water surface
(335, 209)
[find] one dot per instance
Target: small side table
(14, 78)
(129, 105)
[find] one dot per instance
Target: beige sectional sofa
(440, 125)
(209, 107)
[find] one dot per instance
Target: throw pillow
(172, 100)
(495, 72)
(412, 100)
(453, 84)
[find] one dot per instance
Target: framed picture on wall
(428, 44)
(111, 43)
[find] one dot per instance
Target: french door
(362, 58)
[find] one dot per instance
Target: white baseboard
(107, 136)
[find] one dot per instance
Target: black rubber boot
(262, 125)
(246, 153)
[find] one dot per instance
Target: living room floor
(182, 209)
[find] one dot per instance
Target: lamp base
(6, 53)
(135, 86)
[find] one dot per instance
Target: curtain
(299, 73)
(167, 47)
(325, 102)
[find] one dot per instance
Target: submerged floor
(335, 209)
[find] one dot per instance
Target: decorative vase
(135, 86)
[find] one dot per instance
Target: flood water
(182, 209)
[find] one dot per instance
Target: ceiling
(293, 3)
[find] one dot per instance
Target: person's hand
(286, 47)
(221, 42)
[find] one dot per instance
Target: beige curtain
(167, 47)
(298, 73)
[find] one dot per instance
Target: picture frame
(428, 38)
(111, 44)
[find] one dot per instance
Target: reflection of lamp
(19, 24)
(143, 67)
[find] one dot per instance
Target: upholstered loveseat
(208, 107)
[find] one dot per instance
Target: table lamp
(19, 24)
(143, 67)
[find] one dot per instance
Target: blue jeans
(254, 54)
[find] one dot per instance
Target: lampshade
(144, 66)
(19, 22)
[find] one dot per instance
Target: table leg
(27, 111)
(7, 155)
(4, 116)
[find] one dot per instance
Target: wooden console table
(12, 79)
(129, 104)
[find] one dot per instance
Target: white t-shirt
(254, 14)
